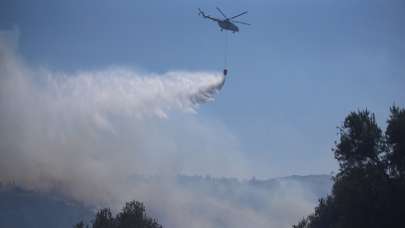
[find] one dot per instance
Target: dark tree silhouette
(132, 215)
(79, 225)
(396, 142)
(369, 188)
(360, 141)
(104, 219)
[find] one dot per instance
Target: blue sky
(294, 74)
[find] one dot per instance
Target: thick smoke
(102, 125)
(90, 135)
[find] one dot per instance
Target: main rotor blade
(239, 15)
(222, 13)
(241, 22)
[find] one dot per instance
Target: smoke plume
(92, 127)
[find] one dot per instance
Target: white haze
(86, 134)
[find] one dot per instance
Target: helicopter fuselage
(227, 25)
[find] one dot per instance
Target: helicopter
(226, 24)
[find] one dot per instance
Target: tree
(369, 188)
(104, 219)
(132, 215)
(395, 135)
(79, 225)
(360, 141)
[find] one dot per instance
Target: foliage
(80, 225)
(369, 187)
(396, 141)
(132, 215)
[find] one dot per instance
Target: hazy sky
(293, 75)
